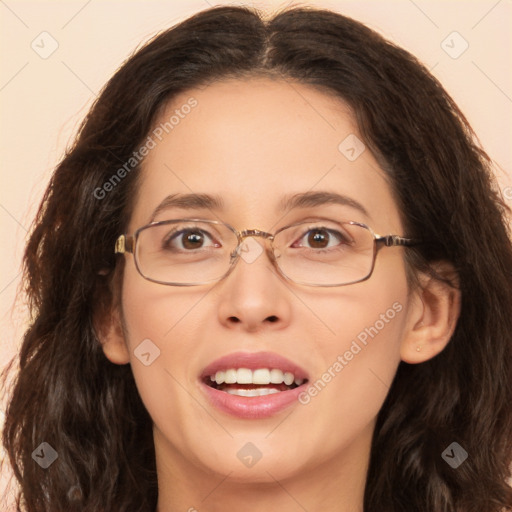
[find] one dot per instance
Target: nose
(254, 296)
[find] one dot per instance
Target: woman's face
(253, 143)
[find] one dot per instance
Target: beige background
(42, 100)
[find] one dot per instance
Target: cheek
(359, 351)
(160, 325)
(156, 311)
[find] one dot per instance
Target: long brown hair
(70, 396)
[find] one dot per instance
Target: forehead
(252, 142)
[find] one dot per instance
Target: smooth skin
(252, 142)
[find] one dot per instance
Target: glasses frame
(128, 244)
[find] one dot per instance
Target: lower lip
(252, 407)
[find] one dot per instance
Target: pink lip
(258, 406)
(252, 407)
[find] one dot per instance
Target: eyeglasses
(322, 252)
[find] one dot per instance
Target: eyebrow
(291, 202)
(319, 198)
(189, 202)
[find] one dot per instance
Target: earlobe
(433, 315)
(111, 336)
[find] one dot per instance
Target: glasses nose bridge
(242, 235)
(246, 233)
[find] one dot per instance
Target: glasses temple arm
(395, 240)
(124, 244)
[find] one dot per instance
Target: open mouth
(252, 383)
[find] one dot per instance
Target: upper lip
(253, 361)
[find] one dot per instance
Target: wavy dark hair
(68, 394)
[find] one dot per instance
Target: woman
(272, 272)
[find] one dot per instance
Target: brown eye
(187, 240)
(322, 238)
(192, 240)
(318, 238)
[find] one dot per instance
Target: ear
(432, 317)
(109, 329)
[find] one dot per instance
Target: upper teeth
(259, 376)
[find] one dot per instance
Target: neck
(336, 484)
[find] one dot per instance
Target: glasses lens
(185, 252)
(325, 252)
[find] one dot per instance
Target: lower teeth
(252, 392)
